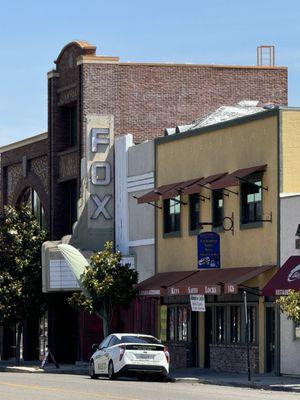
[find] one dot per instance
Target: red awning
(232, 179)
(157, 284)
(286, 278)
(210, 281)
(196, 187)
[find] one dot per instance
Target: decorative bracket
(225, 194)
(252, 183)
(151, 204)
(230, 221)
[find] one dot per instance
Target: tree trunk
(18, 344)
(105, 315)
(106, 327)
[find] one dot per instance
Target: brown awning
(232, 179)
(157, 284)
(174, 189)
(286, 278)
(179, 188)
(196, 187)
(210, 281)
(154, 194)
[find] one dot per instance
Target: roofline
(90, 59)
(219, 125)
(83, 45)
(24, 142)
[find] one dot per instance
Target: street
(24, 386)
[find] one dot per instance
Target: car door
(112, 352)
(100, 356)
(104, 355)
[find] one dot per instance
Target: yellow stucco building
(224, 178)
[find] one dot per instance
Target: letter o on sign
(98, 177)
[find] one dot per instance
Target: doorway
(208, 335)
(270, 339)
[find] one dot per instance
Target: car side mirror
(95, 347)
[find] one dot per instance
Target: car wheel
(92, 371)
(111, 372)
(162, 378)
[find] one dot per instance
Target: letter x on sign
(101, 206)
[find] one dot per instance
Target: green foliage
(108, 283)
(290, 304)
(20, 269)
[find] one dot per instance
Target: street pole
(247, 335)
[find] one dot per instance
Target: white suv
(130, 353)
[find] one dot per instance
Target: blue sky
(192, 31)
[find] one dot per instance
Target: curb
(32, 370)
(251, 385)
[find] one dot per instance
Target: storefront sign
(230, 288)
(195, 289)
(61, 276)
(208, 250)
(197, 302)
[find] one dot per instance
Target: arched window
(31, 198)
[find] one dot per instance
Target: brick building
(140, 98)
(24, 178)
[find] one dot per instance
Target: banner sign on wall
(208, 250)
(197, 302)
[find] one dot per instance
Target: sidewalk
(189, 375)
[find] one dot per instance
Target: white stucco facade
(134, 224)
(289, 221)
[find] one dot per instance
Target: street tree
(20, 269)
(106, 284)
(290, 304)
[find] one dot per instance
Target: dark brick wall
(146, 99)
(233, 358)
(13, 182)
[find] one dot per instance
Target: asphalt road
(25, 386)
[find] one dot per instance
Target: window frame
(194, 200)
(217, 227)
(168, 229)
(180, 334)
(256, 223)
(227, 307)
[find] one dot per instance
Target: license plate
(145, 356)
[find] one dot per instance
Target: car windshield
(139, 339)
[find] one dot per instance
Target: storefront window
(171, 324)
(252, 323)
(220, 324)
(32, 200)
(182, 319)
(235, 324)
(177, 326)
